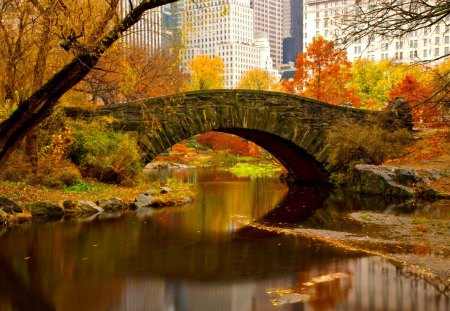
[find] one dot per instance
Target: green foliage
(81, 186)
(105, 154)
(367, 142)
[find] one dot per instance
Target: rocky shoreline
(12, 213)
(397, 181)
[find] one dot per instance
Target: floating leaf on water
(330, 277)
(290, 298)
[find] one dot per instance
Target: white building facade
(146, 33)
(224, 28)
(321, 17)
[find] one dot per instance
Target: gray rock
(112, 205)
(407, 177)
(381, 179)
(164, 190)
(9, 206)
(87, 207)
(39, 209)
(143, 200)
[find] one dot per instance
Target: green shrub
(105, 154)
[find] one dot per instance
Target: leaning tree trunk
(33, 110)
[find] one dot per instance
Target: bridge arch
(291, 127)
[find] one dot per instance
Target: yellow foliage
(260, 80)
(206, 73)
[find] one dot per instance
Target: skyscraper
(292, 29)
(224, 28)
(152, 31)
(268, 20)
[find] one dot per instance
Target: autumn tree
(368, 20)
(372, 22)
(260, 80)
(323, 73)
(85, 34)
(223, 141)
(131, 73)
(415, 93)
(206, 73)
(373, 81)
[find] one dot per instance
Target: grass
(23, 193)
(83, 186)
(88, 190)
(255, 169)
(366, 217)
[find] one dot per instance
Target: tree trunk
(35, 109)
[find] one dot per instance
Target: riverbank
(92, 195)
(419, 245)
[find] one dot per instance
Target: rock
(112, 205)
(86, 207)
(166, 165)
(39, 209)
(9, 206)
(407, 177)
(143, 200)
(380, 179)
(164, 190)
(69, 206)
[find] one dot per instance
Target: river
(204, 256)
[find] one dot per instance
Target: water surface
(202, 257)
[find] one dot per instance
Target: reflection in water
(201, 257)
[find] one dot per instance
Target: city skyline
(285, 27)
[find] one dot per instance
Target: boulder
(143, 200)
(112, 205)
(39, 209)
(165, 190)
(374, 179)
(81, 207)
(407, 177)
(9, 206)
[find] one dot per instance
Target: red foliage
(323, 73)
(416, 93)
(231, 143)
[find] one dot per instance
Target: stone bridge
(290, 127)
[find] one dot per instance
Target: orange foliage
(323, 73)
(179, 148)
(231, 143)
(416, 93)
